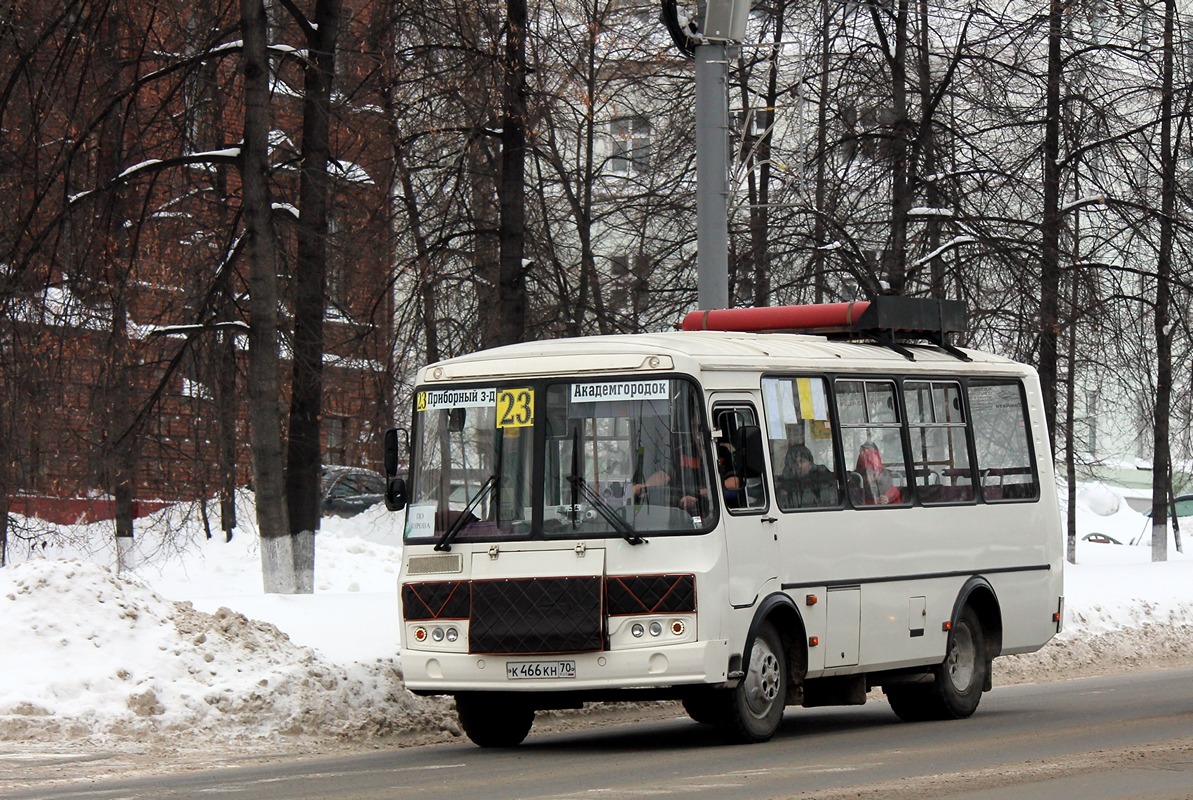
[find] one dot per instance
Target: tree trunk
(1161, 454)
(304, 454)
(926, 165)
(510, 324)
(1050, 226)
(277, 560)
(819, 232)
(1070, 420)
(4, 489)
(113, 254)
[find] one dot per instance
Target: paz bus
(768, 507)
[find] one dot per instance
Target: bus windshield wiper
(605, 510)
(444, 542)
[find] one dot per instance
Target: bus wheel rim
(762, 681)
(962, 660)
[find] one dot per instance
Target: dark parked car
(347, 491)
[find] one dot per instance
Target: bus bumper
(445, 673)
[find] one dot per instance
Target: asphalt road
(1126, 736)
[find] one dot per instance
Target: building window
(337, 439)
(630, 145)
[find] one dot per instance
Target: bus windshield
(617, 458)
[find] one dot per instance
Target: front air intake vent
(536, 615)
(431, 601)
(651, 594)
(444, 564)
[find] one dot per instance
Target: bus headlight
(651, 631)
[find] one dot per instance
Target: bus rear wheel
(751, 712)
(493, 719)
(958, 680)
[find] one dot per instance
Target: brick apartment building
(99, 380)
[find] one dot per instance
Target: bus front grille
(529, 616)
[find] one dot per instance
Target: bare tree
(277, 556)
(304, 446)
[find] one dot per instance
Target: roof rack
(889, 320)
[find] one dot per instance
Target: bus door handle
(768, 519)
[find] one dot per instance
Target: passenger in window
(877, 486)
(731, 482)
(808, 484)
(686, 488)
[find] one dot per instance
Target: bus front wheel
(492, 719)
(958, 680)
(752, 711)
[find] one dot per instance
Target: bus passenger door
(751, 544)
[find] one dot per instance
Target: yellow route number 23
(515, 408)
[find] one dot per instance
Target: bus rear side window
(939, 451)
(1004, 455)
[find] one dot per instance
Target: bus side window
(1004, 454)
(939, 446)
(800, 433)
(871, 433)
(740, 461)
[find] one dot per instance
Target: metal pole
(712, 176)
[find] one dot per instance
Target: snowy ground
(187, 651)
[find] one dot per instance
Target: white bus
(738, 519)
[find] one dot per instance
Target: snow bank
(92, 656)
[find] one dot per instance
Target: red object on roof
(824, 316)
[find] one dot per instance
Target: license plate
(518, 670)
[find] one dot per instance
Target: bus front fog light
(655, 629)
(437, 635)
(637, 630)
(420, 634)
(452, 634)
(677, 627)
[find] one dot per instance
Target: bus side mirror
(750, 438)
(395, 445)
(395, 494)
(395, 487)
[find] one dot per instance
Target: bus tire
(702, 706)
(961, 677)
(958, 681)
(751, 712)
(493, 719)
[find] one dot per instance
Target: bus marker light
(946, 626)
(420, 634)
(813, 641)
(1056, 617)
(811, 599)
(677, 627)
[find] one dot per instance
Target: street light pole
(712, 175)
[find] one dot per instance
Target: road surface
(1125, 736)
